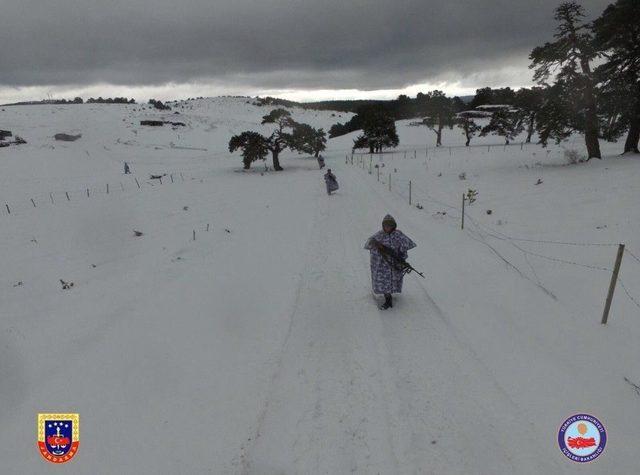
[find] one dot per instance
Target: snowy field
(257, 348)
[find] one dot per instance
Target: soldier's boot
(388, 302)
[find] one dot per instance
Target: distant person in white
(331, 181)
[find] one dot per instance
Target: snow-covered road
(361, 390)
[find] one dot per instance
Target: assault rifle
(394, 260)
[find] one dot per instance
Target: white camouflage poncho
(386, 279)
(331, 182)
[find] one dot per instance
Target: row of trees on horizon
(588, 82)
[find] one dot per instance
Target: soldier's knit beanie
(388, 219)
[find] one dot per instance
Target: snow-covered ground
(258, 348)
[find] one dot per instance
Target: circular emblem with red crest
(582, 438)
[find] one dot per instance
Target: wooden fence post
(67, 193)
(409, 192)
(51, 196)
(8, 210)
(137, 183)
(107, 188)
(462, 223)
(34, 203)
(612, 284)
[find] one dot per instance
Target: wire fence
(415, 152)
(410, 191)
(128, 186)
(417, 196)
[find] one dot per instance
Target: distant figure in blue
(126, 168)
(331, 181)
(321, 161)
(386, 273)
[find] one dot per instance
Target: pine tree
(439, 114)
(253, 145)
(458, 105)
(530, 102)
(551, 118)
(378, 127)
(280, 139)
(505, 123)
(569, 57)
(306, 139)
(361, 142)
(488, 96)
(319, 143)
(616, 98)
(483, 96)
(617, 34)
(469, 128)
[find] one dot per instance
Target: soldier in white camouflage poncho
(331, 181)
(386, 278)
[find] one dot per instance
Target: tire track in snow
(329, 409)
(245, 448)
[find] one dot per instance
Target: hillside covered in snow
(222, 321)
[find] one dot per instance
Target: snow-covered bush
(572, 156)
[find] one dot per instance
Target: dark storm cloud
(363, 44)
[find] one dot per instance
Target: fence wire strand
(627, 250)
(626, 291)
(488, 231)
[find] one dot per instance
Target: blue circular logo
(582, 438)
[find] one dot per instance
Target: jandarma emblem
(582, 438)
(58, 436)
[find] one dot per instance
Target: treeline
(159, 105)
(77, 100)
(333, 106)
(109, 100)
(488, 96)
(401, 108)
(588, 80)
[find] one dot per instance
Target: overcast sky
(301, 49)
